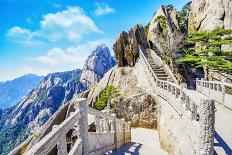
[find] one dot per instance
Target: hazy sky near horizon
(44, 36)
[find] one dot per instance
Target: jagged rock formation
(208, 15)
(126, 46)
(12, 92)
(18, 122)
(97, 64)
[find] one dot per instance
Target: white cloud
(23, 35)
(23, 70)
(70, 58)
(70, 24)
(103, 9)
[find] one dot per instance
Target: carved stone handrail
(110, 134)
(142, 56)
(216, 90)
(56, 136)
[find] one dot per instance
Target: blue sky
(44, 36)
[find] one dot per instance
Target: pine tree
(208, 50)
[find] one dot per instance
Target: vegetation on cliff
(106, 95)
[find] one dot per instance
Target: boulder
(126, 46)
(208, 15)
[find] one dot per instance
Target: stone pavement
(144, 142)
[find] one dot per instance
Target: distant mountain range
(12, 92)
(56, 89)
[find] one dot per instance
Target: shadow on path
(131, 148)
(221, 143)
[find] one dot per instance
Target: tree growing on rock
(171, 42)
(209, 52)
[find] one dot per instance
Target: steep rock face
(18, 122)
(156, 26)
(208, 15)
(97, 64)
(12, 92)
(126, 46)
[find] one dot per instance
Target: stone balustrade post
(223, 91)
(173, 90)
(106, 125)
(123, 129)
(129, 125)
(114, 129)
(62, 145)
(101, 125)
(97, 124)
(193, 110)
(207, 121)
(82, 125)
(182, 93)
(187, 103)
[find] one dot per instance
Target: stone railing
(160, 63)
(110, 134)
(142, 56)
(195, 110)
(216, 90)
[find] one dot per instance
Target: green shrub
(146, 27)
(109, 93)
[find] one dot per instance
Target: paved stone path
(223, 127)
(144, 142)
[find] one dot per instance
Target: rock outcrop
(133, 103)
(208, 15)
(126, 46)
(96, 65)
(163, 20)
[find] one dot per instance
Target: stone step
(158, 69)
(158, 74)
(165, 79)
(162, 76)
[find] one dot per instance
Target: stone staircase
(158, 70)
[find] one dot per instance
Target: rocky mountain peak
(96, 65)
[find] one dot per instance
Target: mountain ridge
(12, 91)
